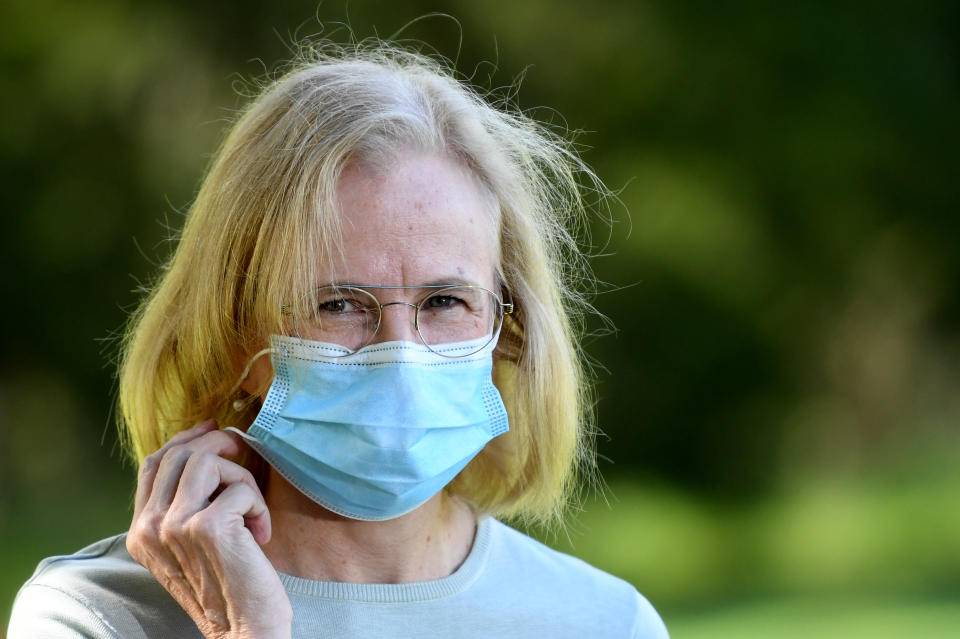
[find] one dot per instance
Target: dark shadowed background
(780, 401)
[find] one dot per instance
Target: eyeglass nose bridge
(416, 314)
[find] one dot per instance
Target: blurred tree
(788, 173)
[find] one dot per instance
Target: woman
(368, 320)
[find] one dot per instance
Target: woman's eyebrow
(451, 280)
(436, 282)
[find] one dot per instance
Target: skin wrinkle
(223, 604)
(381, 238)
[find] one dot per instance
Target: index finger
(151, 463)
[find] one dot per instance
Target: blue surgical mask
(376, 434)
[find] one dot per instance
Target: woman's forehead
(420, 219)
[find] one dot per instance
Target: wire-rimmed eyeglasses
(350, 315)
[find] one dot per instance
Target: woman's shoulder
(104, 567)
(532, 559)
(100, 560)
(568, 585)
(99, 591)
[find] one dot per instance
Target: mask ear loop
(239, 404)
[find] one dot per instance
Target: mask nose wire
(239, 404)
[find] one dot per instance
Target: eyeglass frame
(506, 307)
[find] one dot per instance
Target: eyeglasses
(350, 316)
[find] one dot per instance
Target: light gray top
(509, 586)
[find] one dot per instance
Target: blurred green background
(780, 400)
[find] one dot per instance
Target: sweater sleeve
(46, 612)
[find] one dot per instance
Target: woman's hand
(198, 524)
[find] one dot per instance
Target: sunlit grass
(823, 619)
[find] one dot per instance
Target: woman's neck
(310, 541)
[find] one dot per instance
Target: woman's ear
(257, 372)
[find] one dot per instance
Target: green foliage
(838, 539)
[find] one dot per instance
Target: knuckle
(203, 525)
(144, 528)
(168, 532)
(203, 459)
(248, 477)
(246, 490)
(244, 479)
(143, 539)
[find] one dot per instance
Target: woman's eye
(332, 307)
(336, 306)
(442, 301)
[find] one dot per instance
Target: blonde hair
(267, 209)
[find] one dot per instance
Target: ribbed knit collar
(406, 592)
